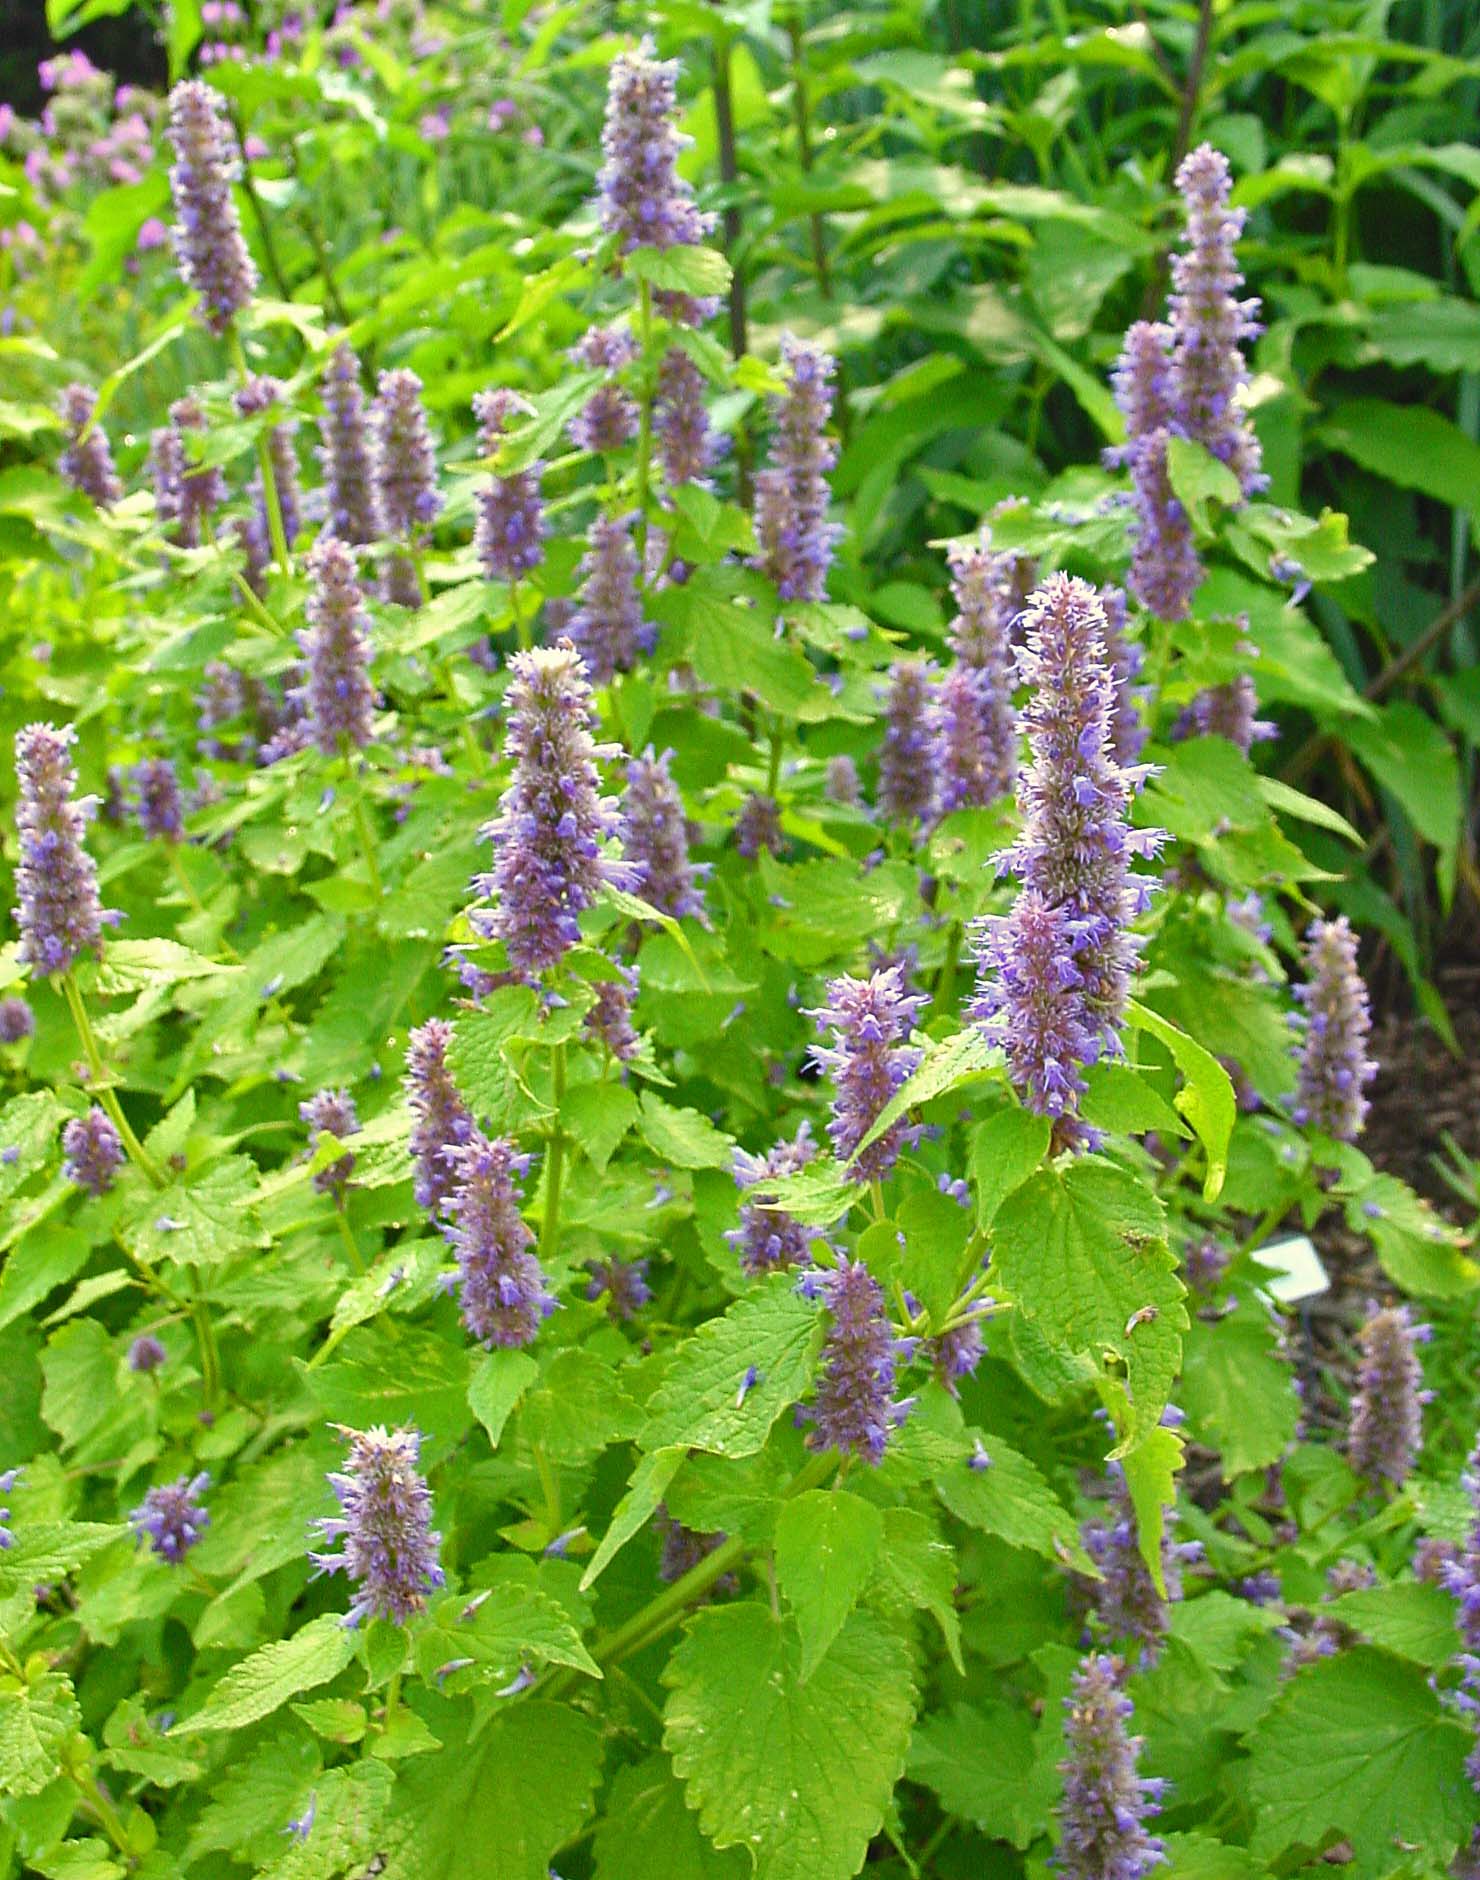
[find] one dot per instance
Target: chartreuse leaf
(798, 1774)
(1359, 1746)
(264, 1682)
(1199, 480)
(499, 1630)
(826, 1543)
(498, 1383)
(1082, 1251)
(1414, 1620)
(48, 1550)
(199, 1220)
(916, 1566)
(1005, 1151)
(1007, 1496)
(1151, 1478)
(36, 1718)
(683, 1137)
(735, 1376)
(349, 1805)
(681, 270)
(495, 1808)
(648, 1832)
(978, 1761)
(1206, 1098)
(1238, 1393)
(1419, 1251)
(944, 1067)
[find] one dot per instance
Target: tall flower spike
(405, 474)
(610, 417)
(87, 462)
(92, 1151)
(766, 1238)
(510, 529)
(202, 489)
(347, 453)
(758, 826)
(171, 1518)
(1210, 322)
(1055, 972)
(868, 1021)
(384, 1527)
(501, 1285)
(209, 248)
(260, 394)
(441, 1120)
(1226, 711)
(608, 627)
(609, 1020)
(841, 782)
(159, 806)
(980, 636)
(1165, 570)
(331, 1113)
(687, 447)
(1386, 1429)
(791, 493)
(657, 844)
(906, 769)
(17, 1021)
(644, 201)
(548, 865)
(56, 879)
(8, 1480)
(1461, 1576)
(1335, 1028)
(1106, 1804)
(1125, 1602)
(974, 767)
(854, 1408)
(337, 694)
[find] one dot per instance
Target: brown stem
(802, 113)
(264, 226)
(320, 253)
(1191, 93)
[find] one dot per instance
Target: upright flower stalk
(1334, 1031)
(347, 453)
(406, 477)
(1102, 1833)
(1055, 972)
(1385, 1432)
(791, 493)
(86, 461)
(382, 1538)
(868, 1022)
(209, 247)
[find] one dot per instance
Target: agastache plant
(1055, 972)
(92, 1151)
(854, 1408)
(868, 1022)
(1165, 569)
(791, 493)
(547, 838)
(1385, 1432)
(209, 247)
(171, 1517)
(768, 1238)
(1334, 1030)
(347, 453)
(405, 475)
(1461, 1576)
(441, 1121)
(385, 1542)
(1226, 711)
(57, 911)
(510, 530)
(657, 838)
(980, 638)
(87, 460)
(1102, 1833)
(687, 446)
(337, 694)
(608, 628)
(610, 416)
(906, 774)
(501, 1285)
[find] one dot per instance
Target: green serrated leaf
(499, 1381)
(684, 1137)
(826, 1543)
(800, 1775)
(1009, 1497)
(266, 1681)
(199, 1220)
(978, 1761)
(500, 1631)
(648, 1832)
(946, 1066)
(35, 1721)
(650, 1480)
(1206, 1098)
(681, 270)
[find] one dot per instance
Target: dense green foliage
(684, 1631)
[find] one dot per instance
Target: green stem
(521, 627)
(187, 888)
(103, 1087)
(255, 607)
(554, 1168)
(205, 1335)
(773, 766)
(1269, 1221)
(362, 824)
(265, 470)
(356, 1258)
(945, 979)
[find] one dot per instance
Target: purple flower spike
(501, 1285)
(622, 1283)
(687, 447)
(337, 694)
(957, 1353)
(209, 248)
(56, 879)
(1055, 972)
(791, 493)
(906, 762)
(767, 1239)
(644, 202)
(610, 417)
(1210, 323)
(331, 1113)
(17, 1021)
(347, 453)
(92, 1151)
(510, 530)
(868, 1021)
(387, 1546)
(1336, 1025)
(171, 1518)
(441, 1120)
(610, 1019)
(1386, 1429)
(548, 864)
(1106, 1804)
(1461, 1576)
(854, 1408)
(982, 585)
(758, 826)
(405, 474)
(1226, 711)
(608, 627)
(146, 1354)
(1127, 1607)
(159, 805)
(8, 1480)
(1165, 571)
(841, 784)
(87, 462)
(974, 764)
(658, 834)
(183, 497)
